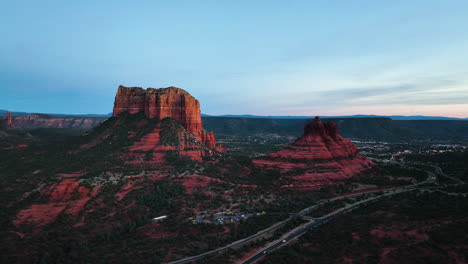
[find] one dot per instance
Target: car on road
(264, 252)
(284, 241)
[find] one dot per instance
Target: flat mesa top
(138, 90)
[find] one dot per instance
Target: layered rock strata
(47, 121)
(161, 103)
(192, 139)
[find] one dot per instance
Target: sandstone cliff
(161, 103)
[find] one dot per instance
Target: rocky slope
(318, 157)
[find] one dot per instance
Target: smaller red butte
(321, 153)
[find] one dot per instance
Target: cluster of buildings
(223, 217)
(444, 148)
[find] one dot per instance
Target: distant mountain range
(394, 117)
(3, 113)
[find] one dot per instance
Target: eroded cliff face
(129, 99)
(176, 103)
(161, 103)
(158, 104)
(47, 121)
(319, 156)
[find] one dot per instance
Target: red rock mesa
(161, 103)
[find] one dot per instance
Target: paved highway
(431, 177)
(300, 231)
(277, 225)
(236, 243)
(296, 233)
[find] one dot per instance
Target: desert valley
(153, 184)
(234, 132)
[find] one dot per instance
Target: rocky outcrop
(8, 119)
(129, 99)
(161, 103)
(47, 121)
(318, 157)
(176, 103)
(64, 198)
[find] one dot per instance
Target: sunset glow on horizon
(261, 58)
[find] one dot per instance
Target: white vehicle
(159, 218)
(284, 241)
(264, 252)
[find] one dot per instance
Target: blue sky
(238, 57)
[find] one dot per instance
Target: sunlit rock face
(129, 99)
(176, 103)
(160, 103)
(170, 102)
(319, 156)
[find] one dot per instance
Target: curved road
(318, 221)
(296, 233)
(300, 231)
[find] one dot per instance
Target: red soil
(126, 189)
(192, 182)
(64, 197)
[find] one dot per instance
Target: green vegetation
(180, 163)
(388, 174)
(169, 132)
(379, 128)
(161, 197)
(452, 163)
